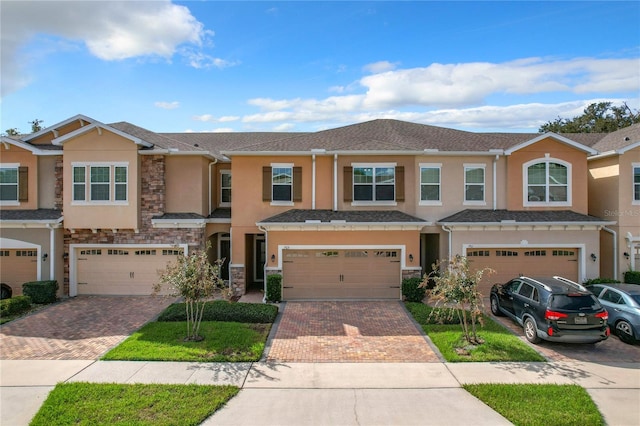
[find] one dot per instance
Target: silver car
(622, 302)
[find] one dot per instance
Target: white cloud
(378, 67)
(167, 105)
(110, 30)
(212, 119)
(468, 84)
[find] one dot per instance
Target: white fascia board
(28, 224)
(62, 139)
(32, 148)
(62, 123)
(555, 136)
(178, 223)
(344, 226)
(516, 224)
(628, 147)
(491, 153)
(603, 155)
(219, 220)
(164, 151)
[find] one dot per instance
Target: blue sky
(306, 66)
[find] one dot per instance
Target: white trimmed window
(474, 183)
(374, 183)
(547, 182)
(9, 184)
(225, 188)
(430, 184)
(636, 183)
(100, 183)
(282, 183)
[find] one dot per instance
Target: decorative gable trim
(555, 136)
(53, 128)
(28, 147)
(99, 126)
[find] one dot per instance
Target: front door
(259, 258)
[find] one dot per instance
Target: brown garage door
(513, 262)
(121, 271)
(341, 274)
(18, 267)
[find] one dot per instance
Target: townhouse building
(342, 213)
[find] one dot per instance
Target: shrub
(274, 288)
(412, 291)
(222, 310)
(632, 277)
(600, 281)
(15, 306)
(41, 291)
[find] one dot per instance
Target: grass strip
(131, 404)
(500, 345)
(164, 341)
(558, 405)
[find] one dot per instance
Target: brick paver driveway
(348, 332)
(83, 327)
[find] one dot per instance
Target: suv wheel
(624, 331)
(530, 330)
(495, 307)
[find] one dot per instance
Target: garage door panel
(121, 271)
(509, 263)
(341, 274)
(18, 267)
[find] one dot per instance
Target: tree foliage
(195, 279)
(12, 132)
(36, 125)
(456, 287)
(601, 117)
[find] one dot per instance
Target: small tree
(456, 286)
(195, 279)
(36, 125)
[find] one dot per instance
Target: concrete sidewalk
(324, 393)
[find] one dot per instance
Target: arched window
(547, 182)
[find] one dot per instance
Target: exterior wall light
(594, 257)
(410, 258)
(273, 258)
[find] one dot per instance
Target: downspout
(52, 252)
(313, 181)
(214, 162)
(448, 230)
(615, 250)
(335, 182)
(266, 261)
(495, 185)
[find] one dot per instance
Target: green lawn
(499, 344)
(164, 341)
(523, 405)
(132, 404)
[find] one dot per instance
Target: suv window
(574, 302)
(526, 290)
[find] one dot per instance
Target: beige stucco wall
(105, 148)
(47, 137)
(11, 154)
(557, 150)
(187, 184)
(46, 182)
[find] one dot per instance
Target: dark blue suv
(554, 309)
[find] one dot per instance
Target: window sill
(430, 203)
(550, 204)
(474, 203)
(373, 203)
(100, 203)
(9, 203)
(282, 203)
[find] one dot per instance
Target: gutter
(335, 182)
(266, 261)
(215, 161)
(450, 232)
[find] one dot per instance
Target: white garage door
(121, 271)
(18, 267)
(533, 262)
(341, 274)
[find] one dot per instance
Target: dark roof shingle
(517, 216)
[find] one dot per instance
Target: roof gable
(100, 127)
(555, 136)
(79, 117)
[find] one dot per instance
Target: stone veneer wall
(152, 203)
(238, 283)
(411, 273)
(58, 174)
